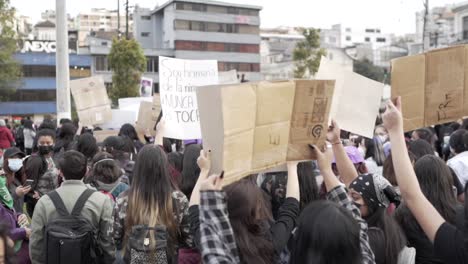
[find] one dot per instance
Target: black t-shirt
(449, 245)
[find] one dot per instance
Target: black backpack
(141, 250)
(70, 238)
(20, 134)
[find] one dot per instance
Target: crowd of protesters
(397, 198)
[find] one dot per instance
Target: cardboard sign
(178, 80)
(252, 127)
(103, 134)
(91, 100)
(356, 100)
(433, 86)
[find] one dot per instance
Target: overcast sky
(392, 16)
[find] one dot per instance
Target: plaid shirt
(339, 195)
(217, 238)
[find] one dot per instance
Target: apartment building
(194, 29)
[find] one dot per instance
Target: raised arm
(338, 194)
(292, 187)
(345, 166)
(204, 163)
(427, 216)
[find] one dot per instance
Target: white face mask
(15, 164)
(383, 138)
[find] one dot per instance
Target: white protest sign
(356, 100)
(229, 77)
(178, 80)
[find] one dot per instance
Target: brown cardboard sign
(432, 86)
(91, 100)
(103, 134)
(257, 126)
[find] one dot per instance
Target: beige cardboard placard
(432, 86)
(103, 134)
(91, 100)
(257, 126)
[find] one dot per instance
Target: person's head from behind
(308, 188)
(424, 134)
(47, 124)
(72, 165)
(28, 124)
(458, 141)
(64, 121)
(326, 233)
(105, 168)
(190, 171)
(150, 194)
(355, 156)
(67, 131)
(420, 148)
(246, 207)
(114, 145)
(87, 145)
(45, 141)
(127, 130)
(436, 183)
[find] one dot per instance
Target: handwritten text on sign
(178, 80)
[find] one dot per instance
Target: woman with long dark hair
(259, 239)
(190, 171)
(372, 194)
(450, 242)
(64, 141)
(435, 180)
(129, 131)
(152, 201)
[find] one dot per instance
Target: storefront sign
(39, 46)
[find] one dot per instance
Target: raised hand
(212, 183)
(334, 133)
(392, 118)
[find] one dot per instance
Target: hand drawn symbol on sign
(441, 114)
(274, 139)
(316, 131)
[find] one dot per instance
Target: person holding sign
(449, 241)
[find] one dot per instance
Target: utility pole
(426, 42)
(126, 20)
(62, 65)
(118, 17)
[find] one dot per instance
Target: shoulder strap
(58, 203)
(81, 202)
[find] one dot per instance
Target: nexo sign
(39, 46)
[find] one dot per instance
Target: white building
(23, 26)
(343, 37)
(50, 16)
(277, 49)
(45, 31)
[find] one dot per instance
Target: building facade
(194, 29)
(36, 92)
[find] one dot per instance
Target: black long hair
(317, 241)
(246, 206)
(190, 169)
(65, 137)
(374, 150)
(87, 145)
(308, 188)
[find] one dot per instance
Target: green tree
(368, 69)
(10, 70)
(307, 53)
(127, 62)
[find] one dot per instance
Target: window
(233, 10)
(151, 64)
(34, 95)
(215, 27)
(145, 34)
(368, 30)
(155, 88)
(180, 6)
(348, 38)
(377, 30)
(367, 39)
(145, 17)
(199, 7)
(38, 71)
(104, 43)
(181, 25)
(101, 64)
(108, 17)
(348, 30)
(380, 40)
(465, 27)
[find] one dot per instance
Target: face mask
(15, 164)
(383, 138)
(44, 150)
